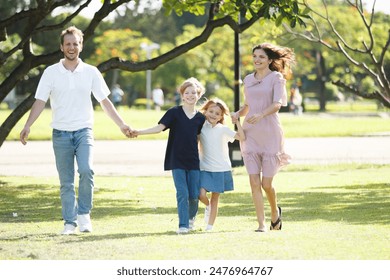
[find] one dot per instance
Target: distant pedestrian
(117, 95)
(295, 100)
(158, 98)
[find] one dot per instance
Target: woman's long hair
(283, 58)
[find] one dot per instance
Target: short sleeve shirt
(214, 150)
(70, 94)
(182, 147)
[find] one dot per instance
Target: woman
(262, 150)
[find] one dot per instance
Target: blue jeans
(187, 184)
(67, 146)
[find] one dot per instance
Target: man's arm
(35, 112)
(110, 110)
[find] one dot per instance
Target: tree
(38, 19)
(365, 53)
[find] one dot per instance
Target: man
(69, 84)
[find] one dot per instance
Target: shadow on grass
(41, 202)
(355, 204)
(93, 237)
(29, 203)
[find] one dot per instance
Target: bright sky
(380, 5)
(95, 5)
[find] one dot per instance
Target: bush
(141, 103)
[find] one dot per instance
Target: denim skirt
(217, 182)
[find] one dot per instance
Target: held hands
(235, 116)
(132, 133)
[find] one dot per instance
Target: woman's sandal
(260, 230)
(277, 222)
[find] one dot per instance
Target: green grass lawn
(330, 212)
(307, 125)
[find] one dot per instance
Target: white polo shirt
(213, 148)
(70, 94)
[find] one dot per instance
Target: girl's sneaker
(209, 228)
(207, 214)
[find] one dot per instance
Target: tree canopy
(22, 24)
(29, 40)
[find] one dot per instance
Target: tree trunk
(14, 117)
(321, 79)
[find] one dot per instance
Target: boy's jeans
(67, 145)
(187, 183)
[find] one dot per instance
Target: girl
(182, 155)
(216, 175)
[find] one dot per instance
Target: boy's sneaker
(191, 223)
(182, 230)
(68, 229)
(207, 214)
(84, 222)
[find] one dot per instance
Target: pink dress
(263, 148)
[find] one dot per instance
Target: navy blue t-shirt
(182, 147)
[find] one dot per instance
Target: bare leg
(258, 199)
(203, 197)
(271, 196)
(214, 208)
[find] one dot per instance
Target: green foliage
(331, 91)
(141, 103)
(353, 32)
(278, 11)
(124, 43)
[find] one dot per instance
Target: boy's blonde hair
(192, 82)
(216, 102)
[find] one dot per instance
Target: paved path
(145, 157)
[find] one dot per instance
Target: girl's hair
(192, 82)
(72, 30)
(216, 102)
(282, 58)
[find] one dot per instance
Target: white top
(214, 150)
(70, 94)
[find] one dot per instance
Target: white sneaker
(207, 214)
(191, 223)
(84, 222)
(182, 230)
(68, 229)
